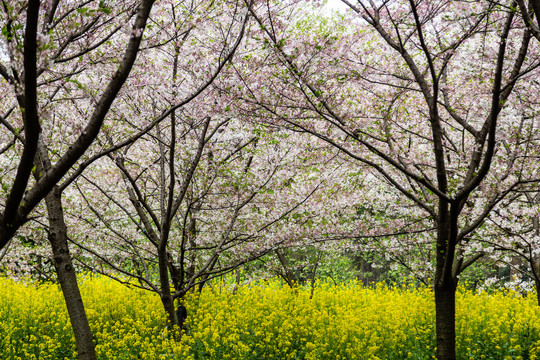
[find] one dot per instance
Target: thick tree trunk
(535, 264)
(166, 296)
(446, 282)
(445, 315)
(67, 277)
(168, 305)
(537, 284)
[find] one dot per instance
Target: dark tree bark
(531, 16)
(537, 285)
(65, 272)
(9, 220)
(67, 277)
(314, 274)
(445, 310)
(287, 275)
(535, 264)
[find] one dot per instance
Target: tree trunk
(168, 305)
(67, 277)
(314, 274)
(535, 264)
(445, 315)
(237, 281)
(288, 274)
(537, 285)
(166, 296)
(446, 282)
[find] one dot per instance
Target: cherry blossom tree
(424, 93)
(199, 194)
(235, 200)
(50, 53)
(41, 54)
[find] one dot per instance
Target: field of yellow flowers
(266, 320)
